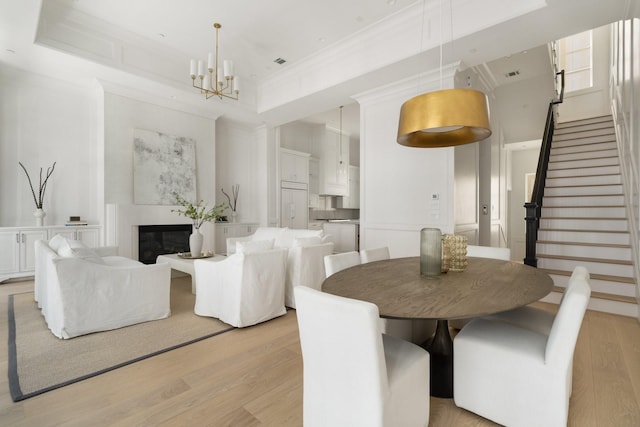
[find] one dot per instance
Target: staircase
(583, 219)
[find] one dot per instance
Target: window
(577, 61)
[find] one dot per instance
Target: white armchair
(353, 375)
(515, 376)
(305, 267)
(81, 292)
(245, 289)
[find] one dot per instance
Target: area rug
(40, 362)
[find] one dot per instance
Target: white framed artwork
(163, 165)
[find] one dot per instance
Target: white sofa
(82, 290)
(305, 259)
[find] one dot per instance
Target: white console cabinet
(17, 253)
(229, 229)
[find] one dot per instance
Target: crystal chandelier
(214, 81)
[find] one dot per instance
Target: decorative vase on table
(430, 252)
(39, 214)
(234, 216)
(195, 243)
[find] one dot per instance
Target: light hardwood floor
(253, 377)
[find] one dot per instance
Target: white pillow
(56, 242)
(251, 246)
(77, 249)
(266, 233)
(306, 241)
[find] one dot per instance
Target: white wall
(397, 182)
(44, 120)
(241, 159)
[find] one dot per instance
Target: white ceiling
(255, 32)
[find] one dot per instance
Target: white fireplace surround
(122, 223)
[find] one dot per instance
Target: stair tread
(584, 176)
(584, 231)
(603, 245)
(605, 277)
(590, 195)
(585, 259)
(603, 295)
(583, 206)
(588, 158)
(586, 167)
(582, 185)
(600, 218)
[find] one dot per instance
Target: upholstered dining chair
(353, 375)
(416, 331)
(376, 254)
(503, 254)
(244, 289)
(337, 262)
(515, 376)
(537, 319)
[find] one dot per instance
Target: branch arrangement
(199, 213)
(235, 189)
(43, 184)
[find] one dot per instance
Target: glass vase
(430, 252)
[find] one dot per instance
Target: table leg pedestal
(440, 348)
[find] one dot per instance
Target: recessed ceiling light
(322, 39)
(10, 50)
(162, 35)
(391, 2)
(279, 61)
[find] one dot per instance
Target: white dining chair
(537, 319)
(376, 254)
(416, 331)
(503, 254)
(337, 262)
(515, 376)
(353, 375)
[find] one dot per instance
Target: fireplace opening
(154, 240)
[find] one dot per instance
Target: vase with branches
(233, 199)
(39, 200)
(199, 214)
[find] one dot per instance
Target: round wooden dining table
(486, 286)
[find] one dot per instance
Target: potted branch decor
(39, 213)
(199, 214)
(233, 204)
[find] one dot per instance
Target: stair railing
(533, 208)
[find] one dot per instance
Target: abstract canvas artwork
(163, 165)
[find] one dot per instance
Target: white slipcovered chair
(376, 254)
(515, 376)
(337, 262)
(537, 319)
(416, 331)
(353, 375)
(305, 266)
(503, 254)
(81, 292)
(244, 289)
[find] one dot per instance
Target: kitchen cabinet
(314, 182)
(334, 163)
(18, 252)
(352, 201)
(227, 229)
(294, 206)
(294, 166)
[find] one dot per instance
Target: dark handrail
(533, 208)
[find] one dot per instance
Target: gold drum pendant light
(444, 118)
